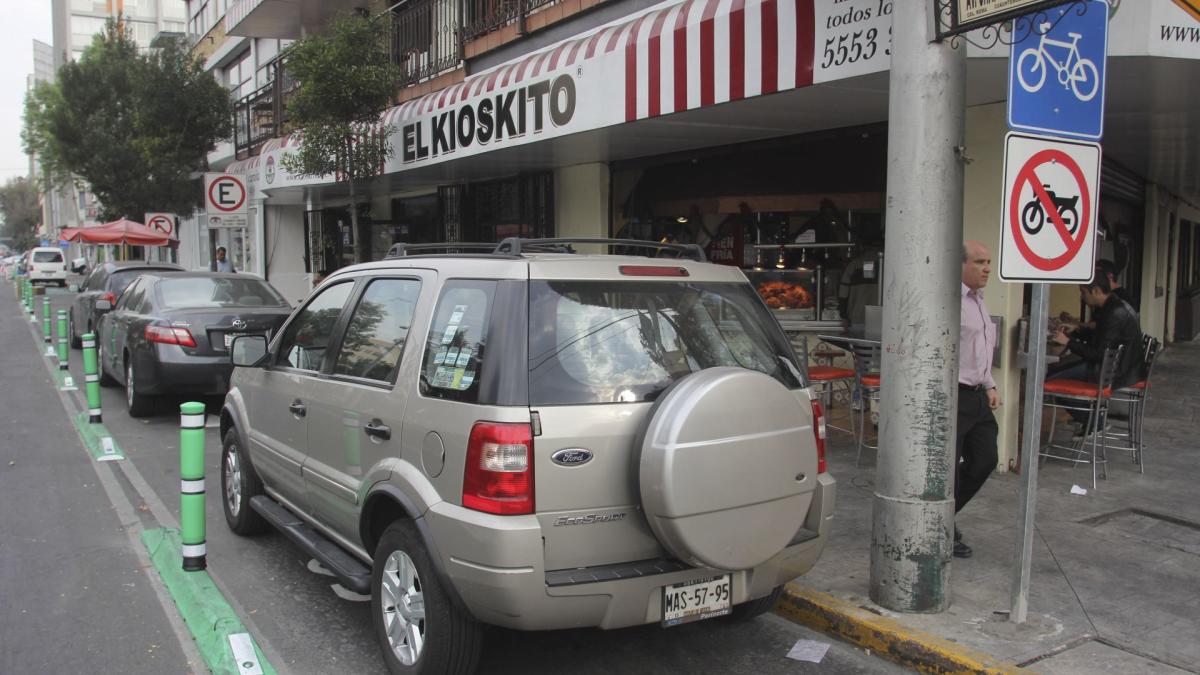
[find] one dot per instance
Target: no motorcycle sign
(1048, 229)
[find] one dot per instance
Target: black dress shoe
(961, 550)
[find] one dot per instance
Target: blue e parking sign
(1056, 75)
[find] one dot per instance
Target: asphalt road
(79, 594)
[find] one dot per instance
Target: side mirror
(248, 351)
(74, 288)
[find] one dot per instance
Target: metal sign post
(1035, 377)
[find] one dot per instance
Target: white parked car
(47, 265)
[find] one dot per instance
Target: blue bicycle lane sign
(1056, 76)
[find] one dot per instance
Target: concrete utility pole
(914, 479)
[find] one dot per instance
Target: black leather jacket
(1116, 324)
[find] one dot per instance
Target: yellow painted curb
(889, 638)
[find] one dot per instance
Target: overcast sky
(20, 27)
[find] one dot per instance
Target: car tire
(106, 380)
(753, 608)
(75, 340)
(140, 405)
(239, 484)
(403, 575)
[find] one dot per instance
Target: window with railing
(485, 16)
(426, 38)
(262, 114)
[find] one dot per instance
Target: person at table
(975, 444)
(1117, 324)
(1108, 270)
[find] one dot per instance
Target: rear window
(47, 256)
(218, 292)
(120, 280)
(613, 342)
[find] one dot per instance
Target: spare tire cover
(727, 468)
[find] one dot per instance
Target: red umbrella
(123, 231)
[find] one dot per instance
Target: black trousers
(975, 446)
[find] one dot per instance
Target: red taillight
(819, 432)
(652, 271)
(498, 477)
(111, 297)
(169, 335)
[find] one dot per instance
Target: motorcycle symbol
(1033, 215)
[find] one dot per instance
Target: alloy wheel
(129, 385)
(233, 481)
(403, 606)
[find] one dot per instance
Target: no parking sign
(1048, 222)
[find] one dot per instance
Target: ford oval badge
(571, 457)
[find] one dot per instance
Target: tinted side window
(132, 298)
(306, 337)
(457, 342)
(377, 330)
(94, 281)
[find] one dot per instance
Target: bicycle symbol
(1074, 72)
(1033, 215)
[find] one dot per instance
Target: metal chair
(1089, 397)
(1134, 396)
(824, 378)
(867, 383)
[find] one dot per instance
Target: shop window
(522, 206)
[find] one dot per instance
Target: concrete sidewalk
(1116, 573)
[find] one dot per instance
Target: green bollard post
(64, 350)
(46, 318)
(191, 486)
(28, 294)
(91, 377)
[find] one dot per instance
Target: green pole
(28, 294)
(46, 318)
(63, 348)
(191, 486)
(91, 376)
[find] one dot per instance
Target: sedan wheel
(106, 380)
(140, 405)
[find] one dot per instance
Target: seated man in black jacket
(1116, 324)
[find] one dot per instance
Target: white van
(47, 265)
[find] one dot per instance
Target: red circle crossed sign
(162, 224)
(1028, 174)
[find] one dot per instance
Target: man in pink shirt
(975, 446)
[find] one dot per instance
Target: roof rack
(402, 250)
(517, 245)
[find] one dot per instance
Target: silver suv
(531, 438)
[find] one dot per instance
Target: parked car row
(536, 440)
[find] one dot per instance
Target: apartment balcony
(426, 39)
(262, 115)
(284, 19)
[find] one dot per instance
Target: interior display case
(791, 294)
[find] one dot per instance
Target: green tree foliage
(21, 210)
(136, 126)
(346, 80)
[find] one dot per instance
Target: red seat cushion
(870, 380)
(1075, 388)
(1137, 385)
(823, 373)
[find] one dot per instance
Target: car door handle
(375, 429)
(298, 409)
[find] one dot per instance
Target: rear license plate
(229, 339)
(697, 600)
